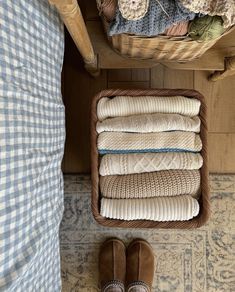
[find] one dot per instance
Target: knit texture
(177, 29)
(158, 209)
(120, 106)
(151, 184)
(133, 10)
(160, 16)
(150, 123)
(224, 8)
(111, 142)
(206, 28)
(119, 164)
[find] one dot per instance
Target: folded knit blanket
(118, 142)
(150, 123)
(177, 29)
(224, 8)
(160, 16)
(158, 209)
(113, 164)
(151, 184)
(120, 106)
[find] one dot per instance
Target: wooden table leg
(71, 15)
(229, 65)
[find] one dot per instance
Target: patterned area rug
(201, 260)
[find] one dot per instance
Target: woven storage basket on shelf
(204, 198)
(160, 47)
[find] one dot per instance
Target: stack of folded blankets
(150, 159)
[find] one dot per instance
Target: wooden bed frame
(106, 58)
(71, 15)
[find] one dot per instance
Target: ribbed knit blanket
(151, 184)
(120, 106)
(147, 123)
(113, 164)
(158, 209)
(118, 142)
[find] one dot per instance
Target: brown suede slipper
(112, 263)
(140, 264)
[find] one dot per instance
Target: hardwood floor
(79, 88)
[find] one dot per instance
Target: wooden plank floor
(79, 87)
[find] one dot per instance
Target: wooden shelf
(92, 44)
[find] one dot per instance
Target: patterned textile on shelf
(133, 10)
(160, 16)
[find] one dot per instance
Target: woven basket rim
(172, 38)
(204, 202)
(159, 48)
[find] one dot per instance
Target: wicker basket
(159, 48)
(204, 198)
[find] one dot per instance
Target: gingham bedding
(32, 137)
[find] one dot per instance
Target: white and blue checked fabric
(32, 134)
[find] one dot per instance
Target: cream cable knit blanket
(151, 184)
(150, 123)
(113, 164)
(118, 142)
(158, 209)
(120, 106)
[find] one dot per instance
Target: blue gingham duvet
(32, 137)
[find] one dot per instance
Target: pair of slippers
(126, 267)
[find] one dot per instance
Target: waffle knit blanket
(224, 8)
(158, 209)
(120, 106)
(160, 15)
(113, 164)
(151, 184)
(150, 123)
(118, 142)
